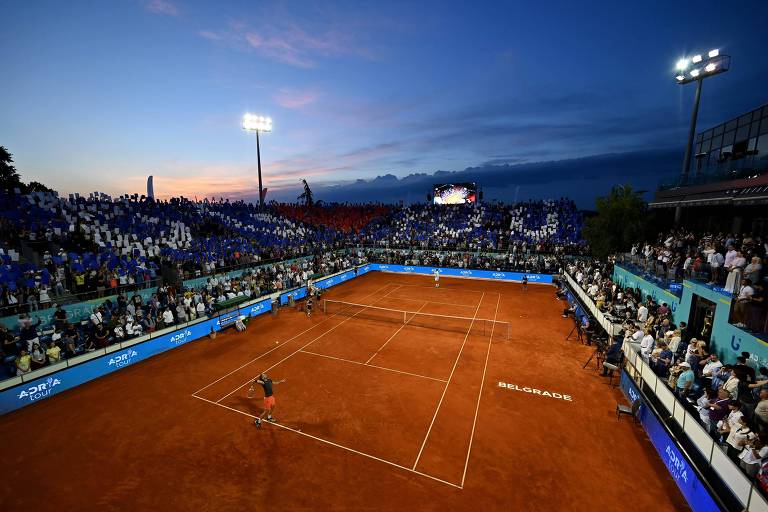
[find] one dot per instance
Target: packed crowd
(736, 263)
(731, 400)
(721, 259)
(541, 224)
(344, 217)
(97, 246)
(130, 315)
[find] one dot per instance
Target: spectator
(38, 356)
(53, 353)
(685, 380)
(23, 363)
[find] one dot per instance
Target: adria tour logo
(123, 359)
(676, 465)
(632, 395)
(258, 307)
(408, 269)
(39, 391)
(466, 272)
(534, 277)
(383, 267)
(499, 275)
(181, 337)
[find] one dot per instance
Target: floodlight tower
(696, 69)
(254, 123)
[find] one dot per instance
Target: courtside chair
(629, 410)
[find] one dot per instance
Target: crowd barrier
(685, 476)
(463, 272)
(742, 488)
(20, 391)
(605, 323)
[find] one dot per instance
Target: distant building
(727, 188)
(150, 189)
(733, 149)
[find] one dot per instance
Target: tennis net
(462, 324)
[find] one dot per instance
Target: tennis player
(310, 303)
(525, 282)
(269, 398)
(437, 277)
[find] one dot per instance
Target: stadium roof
(741, 192)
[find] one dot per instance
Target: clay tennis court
(375, 414)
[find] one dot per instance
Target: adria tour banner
(459, 272)
(678, 465)
(52, 384)
(298, 293)
(334, 280)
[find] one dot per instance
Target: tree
(36, 186)
(9, 178)
(619, 222)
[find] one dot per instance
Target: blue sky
(98, 95)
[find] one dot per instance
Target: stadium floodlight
(253, 122)
(256, 123)
(712, 65)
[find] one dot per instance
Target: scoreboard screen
(455, 193)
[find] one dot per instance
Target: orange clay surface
(373, 416)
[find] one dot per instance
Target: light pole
(254, 123)
(696, 69)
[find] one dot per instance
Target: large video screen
(455, 193)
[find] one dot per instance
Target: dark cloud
(582, 179)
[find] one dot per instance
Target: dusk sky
(95, 96)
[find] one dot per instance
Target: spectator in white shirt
(168, 317)
(647, 344)
(642, 313)
(96, 317)
(742, 303)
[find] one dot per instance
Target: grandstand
(536, 336)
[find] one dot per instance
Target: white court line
(266, 353)
(455, 364)
(317, 338)
(371, 365)
(395, 334)
(480, 394)
(333, 444)
(433, 302)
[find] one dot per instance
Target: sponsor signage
(459, 272)
(678, 465)
(121, 359)
(298, 293)
(227, 319)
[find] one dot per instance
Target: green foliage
(618, 224)
(9, 178)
